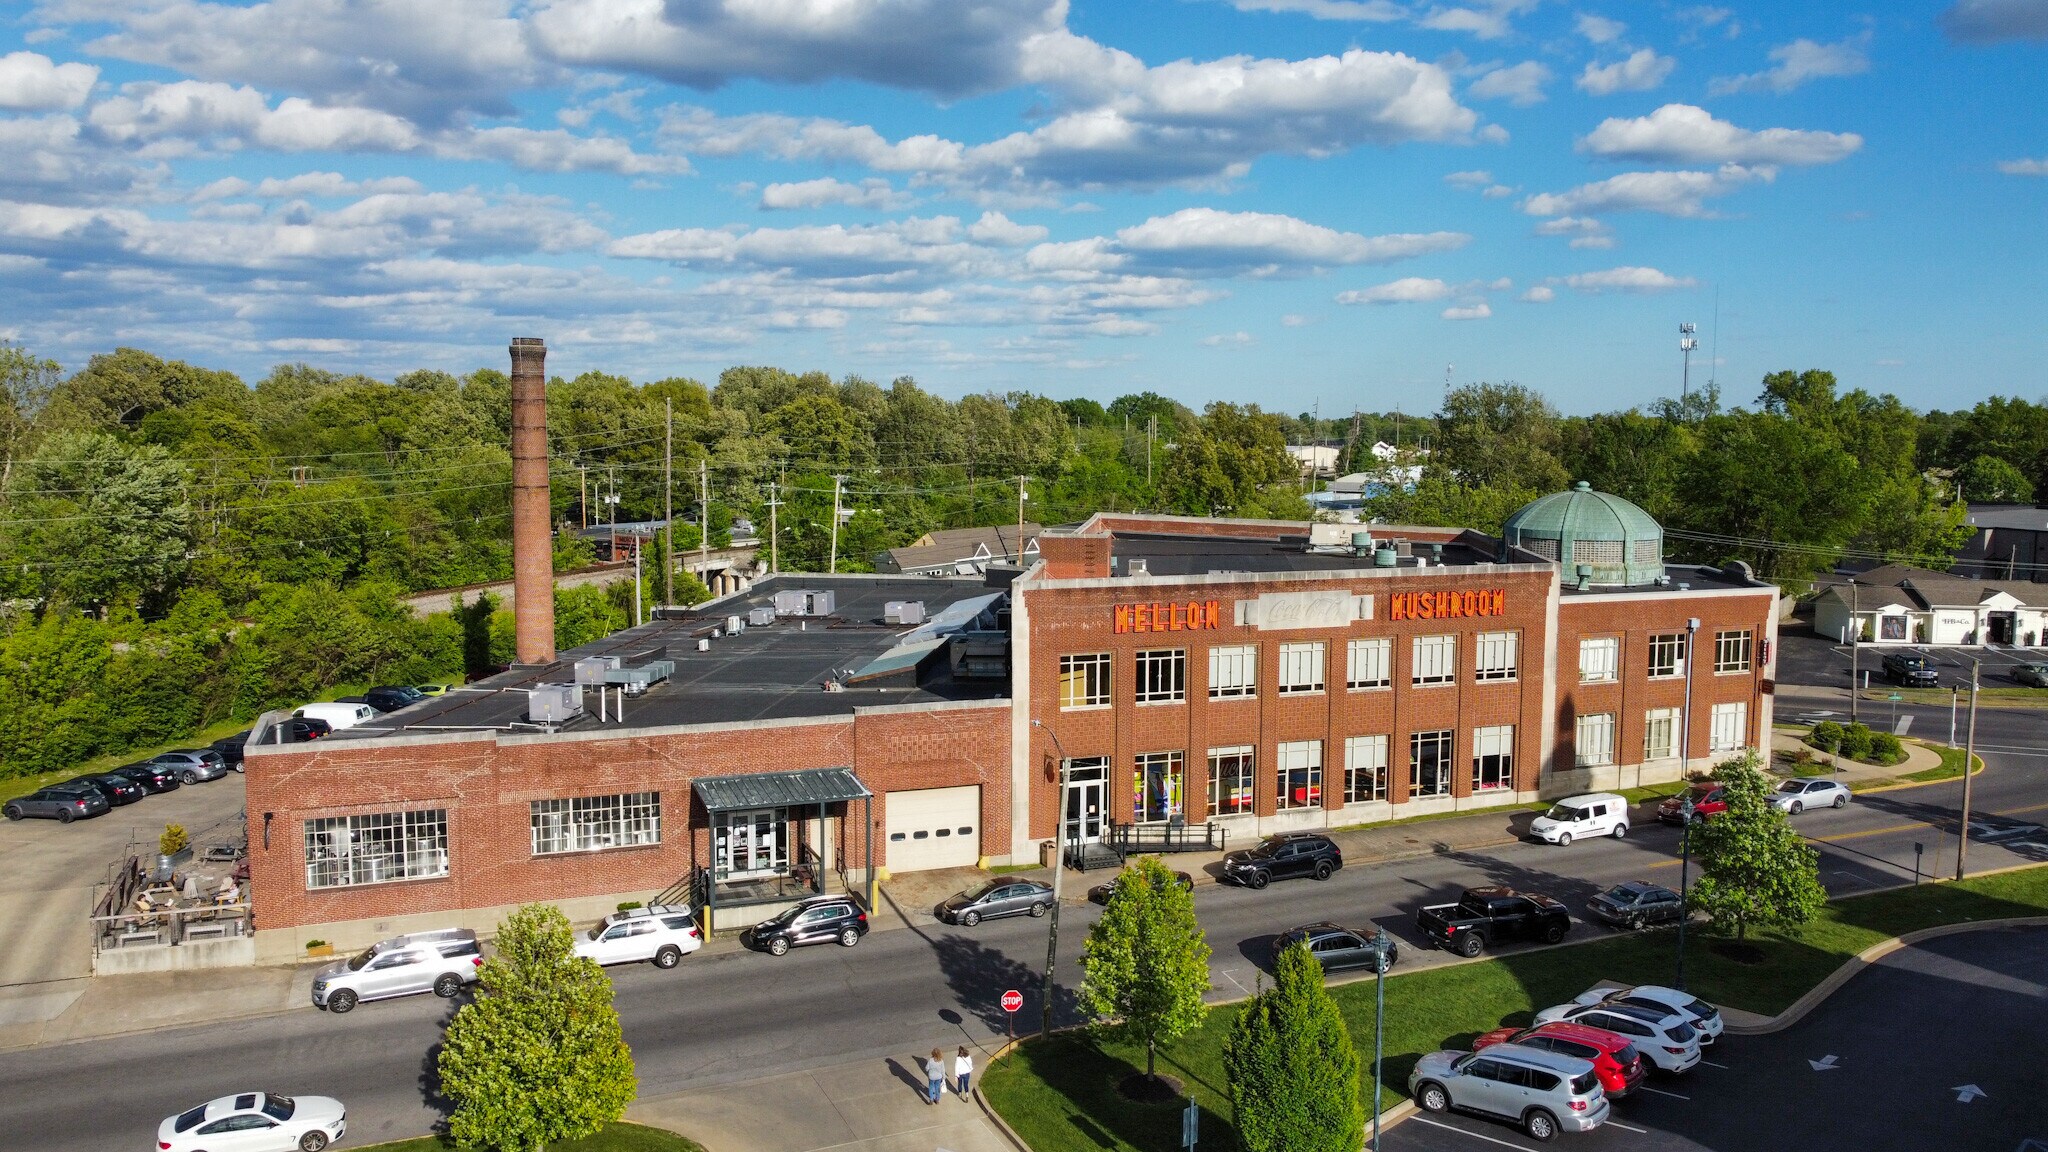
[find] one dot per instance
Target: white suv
(440, 961)
(1664, 1036)
(1577, 817)
(1704, 1017)
(1544, 1092)
(663, 933)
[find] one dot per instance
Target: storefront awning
(780, 789)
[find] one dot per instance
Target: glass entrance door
(1086, 781)
(751, 844)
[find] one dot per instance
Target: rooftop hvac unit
(804, 602)
(1137, 567)
(734, 625)
(554, 703)
(760, 616)
(903, 612)
(591, 669)
(637, 680)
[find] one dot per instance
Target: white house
(1899, 605)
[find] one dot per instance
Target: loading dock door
(933, 828)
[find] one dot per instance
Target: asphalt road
(1900, 1047)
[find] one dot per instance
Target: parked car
(392, 697)
(299, 729)
(256, 1122)
(1614, 1057)
(194, 764)
(1282, 856)
(60, 802)
(1487, 916)
(2031, 675)
(993, 900)
(663, 934)
(1335, 946)
(1796, 796)
(431, 689)
(1704, 1017)
(441, 961)
(1636, 904)
(119, 790)
(1663, 1035)
(152, 776)
(337, 714)
(1100, 893)
(1707, 800)
(1544, 1092)
(1910, 671)
(1577, 817)
(230, 748)
(818, 920)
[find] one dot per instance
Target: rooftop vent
(757, 617)
(804, 602)
(554, 703)
(1137, 567)
(903, 612)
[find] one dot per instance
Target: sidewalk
(875, 1105)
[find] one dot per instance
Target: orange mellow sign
(1448, 605)
(1168, 616)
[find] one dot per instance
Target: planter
(165, 865)
(314, 951)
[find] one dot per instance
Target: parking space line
(1711, 1064)
(1463, 1132)
(1661, 1092)
(1627, 1127)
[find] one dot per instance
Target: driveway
(1807, 658)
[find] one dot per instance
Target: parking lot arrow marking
(1826, 1064)
(1967, 1092)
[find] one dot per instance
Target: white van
(338, 716)
(1576, 817)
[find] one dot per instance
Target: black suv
(153, 777)
(119, 790)
(390, 698)
(1283, 856)
(1910, 671)
(818, 920)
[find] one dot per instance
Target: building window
(1365, 769)
(1436, 660)
(1084, 681)
(1301, 773)
(1163, 676)
(1729, 730)
(1301, 667)
(1429, 763)
(1369, 664)
(1731, 651)
(587, 823)
(1667, 655)
(1230, 779)
(1493, 758)
(1599, 659)
(1156, 787)
(1495, 655)
(344, 851)
(1594, 744)
(1660, 733)
(1233, 671)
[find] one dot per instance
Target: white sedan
(255, 1122)
(1796, 796)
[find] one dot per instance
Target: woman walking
(963, 1070)
(934, 1077)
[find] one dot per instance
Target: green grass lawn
(1951, 768)
(2014, 696)
(1060, 1094)
(617, 1138)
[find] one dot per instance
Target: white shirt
(962, 1066)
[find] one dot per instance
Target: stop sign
(1012, 1000)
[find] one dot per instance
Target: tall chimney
(533, 553)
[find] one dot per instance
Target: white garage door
(934, 828)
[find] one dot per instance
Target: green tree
(1499, 435)
(1146, 964)
(1755, 871)
(1292, 1068)
(1231, 455)
(26, 385)
(538, 1057)
(111, 519)
(1990, 480)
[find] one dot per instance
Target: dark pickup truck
(1492, 916)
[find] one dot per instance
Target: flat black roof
(1695, 577)
(1173, 554)
(772, 672)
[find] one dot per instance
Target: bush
(1827, 736)
(1885, 748)
(1856, 742)
(629, 905)
(174, 840)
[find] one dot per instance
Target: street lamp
(1052, 928)
(1379, 1026)
(1685, 813)
(1855, 648)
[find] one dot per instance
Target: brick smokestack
(533, 552)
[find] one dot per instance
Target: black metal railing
(1171, 836)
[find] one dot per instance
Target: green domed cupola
(1594, 537)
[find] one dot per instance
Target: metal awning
(780, 789)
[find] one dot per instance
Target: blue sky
(1293, 202)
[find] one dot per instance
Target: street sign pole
(1918, 848)
(1190, 1125)
(1012, 1000)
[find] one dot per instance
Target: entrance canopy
(780, 789)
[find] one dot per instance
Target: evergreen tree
(1146, 964)
(1292, 1068)
(538, 1057)
(1754, 869)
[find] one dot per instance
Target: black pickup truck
(1486, 916)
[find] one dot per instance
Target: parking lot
(1806, 658)
(1933, 1047)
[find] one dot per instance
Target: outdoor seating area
(145, 905)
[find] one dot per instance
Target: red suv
(1707, 800)
(1615, 1059)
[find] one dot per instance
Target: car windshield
(981, 891)
(1583, 1083)
(278, 1107)
(355, 963)
(1265, 847)
(1566, 813)
(1621, 894)
(1701, 1009)
(1790, 786)
(597, 930)
(187, 1120)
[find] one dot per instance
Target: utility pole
(668, 501)
(774, 557)
(832, 565)
(1059, 856)
(1151, 429)
(1855, 648)
(583, 493)
(704, 514)
(1969, 761)
(1020, 518)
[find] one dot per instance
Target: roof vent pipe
(1385, 557)
(1361, 543)
(1585, 576)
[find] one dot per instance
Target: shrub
(1827, 736)
(1856, 742)
(1885, 748)
(315, 942)
(174, 840)
(629, 905)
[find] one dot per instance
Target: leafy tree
(1292, 1068)
(538, 1057)
(26, 385)
(1146, 964)
(111, 519)
(1990, 480)
(1231, 455)
(821, 429)
(1761, 478)
(1499, 434)
(1755, 871)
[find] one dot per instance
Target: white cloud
(1227, 339)
(1684, 134)
(1798, 62)
(1599, 29)
(1264, 242)
(998, 229)
(1407, 290)
(1521, 85)
(207, 114)
(827, 252)
(2024, 167)
(1625, 279)
(1702, 17)
(315, 184)
(1293, 320)
(1477, 311)
(1540, 294)
(870, 193)
(1477, 178)
(1585, 231)
(1642, 71)
(1991, 21)
(52, 160)
(1489, 20)
(1373, 11)
(1669, 193)
(31, 82)
(557, 150)
(1496, 191)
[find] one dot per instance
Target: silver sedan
(1796, 796)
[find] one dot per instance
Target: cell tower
(1686, 343)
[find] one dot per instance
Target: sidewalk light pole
(1379, 1029)
(1052, 928)
(1855, 647)
(1685, 813)
(1969, 761)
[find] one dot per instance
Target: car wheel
(312, 1142)
(1039, 909)
(341, 1002)
(779, 946)
(189, 777)
(1257, 880)
(1840, 801)
(64, 816)
(1471, 944)
(1432, 1097)
(668, 957)
(970, 918)
(1563, 838)
(13, 811)
(1620, 832)
(1797, 808)
(447, 984)
(1540, 1125)
(1555, 932)
(848, 937)
(1323, 870)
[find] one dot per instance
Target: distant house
(2010, 542)
(961, 551)
(1897, 604)
(1316, 459)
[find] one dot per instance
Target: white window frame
(1667, 655)
(1365, 756)
(1301, 667)
(376, 848)
(1728, 727)
(1732, 651)
(1593, 742)
(1445, 743)
(1660, 722)
(1495, 655)
(1493, 754)
(1240, 764)
(1369, 664)
(595, 823)
(1091, 672)
(1233, 671)
(1161, 675)
(1303, 757)
(1435, 660)
(1599, 660)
